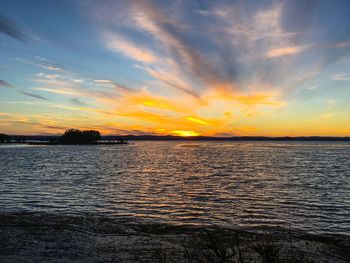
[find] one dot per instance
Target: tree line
(71, 136)
(75, 136)
(4, 138)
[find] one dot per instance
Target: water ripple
(303, 185)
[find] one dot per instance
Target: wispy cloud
(36, 96)
(103, 81)
(77, 101)
(172, 81)
(285, 51)
(197, 120)
(62, 91)
(119, 44)
(5, 84)
(340, 76)
(42, 63)
(10, 28)
(216, 12)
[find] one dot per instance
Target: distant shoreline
(111, 139)
(58, 143)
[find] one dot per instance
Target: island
(80, 137)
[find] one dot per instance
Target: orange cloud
(259, 99)
(196, 120)
(285, 51)
(118, 43)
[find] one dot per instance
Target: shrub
(74, 136)
(4, 138)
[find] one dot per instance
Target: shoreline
(106, 138)
(54, 143)
(57, 143)
(130, 141)
(42, 236)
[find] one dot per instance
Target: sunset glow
(186, 133)
(211, 68)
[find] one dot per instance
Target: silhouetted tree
(4, 138)
(74, 136)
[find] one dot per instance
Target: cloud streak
(118, 43)
(36, 96)
(340, 76)
(11, 29)
(5, 84)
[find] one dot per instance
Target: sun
(185, 133)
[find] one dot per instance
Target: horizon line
(200, 137)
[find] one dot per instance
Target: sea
(254, 185)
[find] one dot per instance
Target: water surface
(299, 185)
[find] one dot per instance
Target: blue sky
(175, 67)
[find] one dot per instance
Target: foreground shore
(43, 237)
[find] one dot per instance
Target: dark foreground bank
(43, 237)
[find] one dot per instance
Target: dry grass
(214, 247)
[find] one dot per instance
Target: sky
(182, 67)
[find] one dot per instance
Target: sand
(47, 237)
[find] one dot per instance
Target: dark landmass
(77, 143)
(93, 137)
(70, 137)
(47, 138)
(236, 138)
(4, 138)
(55, 237)
(75, 136)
